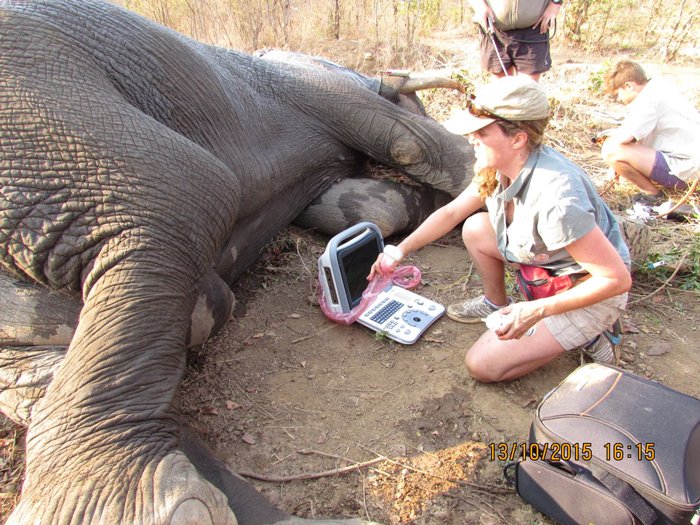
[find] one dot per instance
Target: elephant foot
(168, 491)
(394, 208)
(213, 309)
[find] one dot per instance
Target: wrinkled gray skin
(141, 172)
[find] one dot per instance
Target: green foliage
(596, 79)
(688, 278)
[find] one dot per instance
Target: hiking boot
(605, 348)
(647, 199)
(472, 310)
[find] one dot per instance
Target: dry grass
(11, 465)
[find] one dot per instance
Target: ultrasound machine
(400, 314)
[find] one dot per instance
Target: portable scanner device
(343, 268)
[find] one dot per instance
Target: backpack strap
(627, 495)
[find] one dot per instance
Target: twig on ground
(295, 341)
(311, 475)
(684, 198)
(476, 505)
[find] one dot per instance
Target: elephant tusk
(413, 84)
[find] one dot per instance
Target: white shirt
(662, 118)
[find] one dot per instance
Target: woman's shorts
(575, 328)
(527, 50)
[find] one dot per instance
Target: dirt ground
(283, 394)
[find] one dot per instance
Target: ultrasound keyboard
(401, 314)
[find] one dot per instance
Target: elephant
(142, 173)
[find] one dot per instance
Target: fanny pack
(536, 282)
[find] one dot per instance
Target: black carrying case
(569, 493)
(606, 431)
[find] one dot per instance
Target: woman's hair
(534, 129)
(624, 71)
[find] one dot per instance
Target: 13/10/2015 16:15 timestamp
(569, 451)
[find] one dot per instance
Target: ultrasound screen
(355, 263)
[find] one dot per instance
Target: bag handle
(511, 478)
(627, 495)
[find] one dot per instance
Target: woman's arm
(609, 277)
(437, 224)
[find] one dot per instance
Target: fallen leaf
(658, 349)
(209, 411)
(294, 316)
(232, 405)
(258, 335)
(249, 438)
(629, 328)
(526, 402)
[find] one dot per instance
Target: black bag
(620, 436)
(568, 492)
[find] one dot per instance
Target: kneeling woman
(543, 211)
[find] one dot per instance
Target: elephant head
(141, 172)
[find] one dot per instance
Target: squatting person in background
(658, 144)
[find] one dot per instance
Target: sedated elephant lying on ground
(142, 171)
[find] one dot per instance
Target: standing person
(520, 32)
(658, 143)
(543, 211)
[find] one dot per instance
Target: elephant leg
(34, 315)
(37, 325)
(394, 208)
(250, 506)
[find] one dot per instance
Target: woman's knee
(474, 228)
(480, 367)
(612, 152)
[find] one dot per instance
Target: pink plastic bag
(405, 277)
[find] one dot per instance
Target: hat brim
(462, 123)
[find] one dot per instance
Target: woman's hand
(522, 316)
(482, 14)
(547, 17)
(386, 262)
(383, 265)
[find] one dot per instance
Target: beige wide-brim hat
(509, 98)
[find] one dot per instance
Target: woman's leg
(633, 162)
(490, 360)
